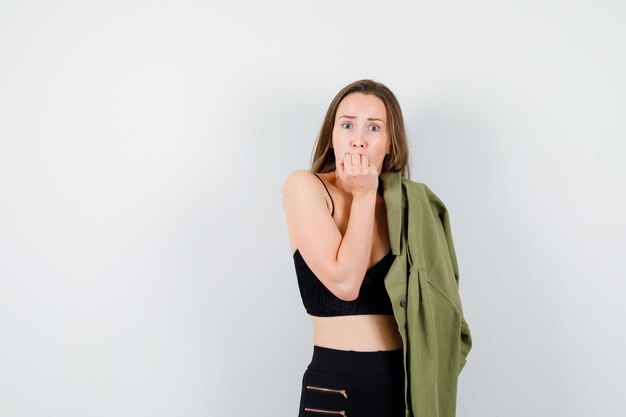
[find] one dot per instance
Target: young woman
(337, 224)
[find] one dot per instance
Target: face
(361, 127)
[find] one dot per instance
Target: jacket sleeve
(465, 334)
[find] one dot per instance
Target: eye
(346, 123)
(375, 126)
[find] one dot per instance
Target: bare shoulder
(301, 183)
(297, 178)
(310, 224)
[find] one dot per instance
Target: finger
(355, 160)
(370, 166)
(365, 161)
(364, 167)
(347, 163)
(339, 166)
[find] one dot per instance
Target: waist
(366, 332)
(357, 362)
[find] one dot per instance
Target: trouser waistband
(357, 362)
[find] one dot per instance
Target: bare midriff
(364, 332)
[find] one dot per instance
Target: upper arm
(312, 230)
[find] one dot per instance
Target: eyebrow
(354, 117)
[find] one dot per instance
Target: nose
(358, 141)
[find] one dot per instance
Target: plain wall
(145, 268)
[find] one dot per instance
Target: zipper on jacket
(340, 391)
(317, 410)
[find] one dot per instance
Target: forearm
(354, 252)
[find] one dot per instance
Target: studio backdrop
(145, 267)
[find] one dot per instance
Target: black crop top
(320, 301)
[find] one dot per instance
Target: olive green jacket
(423, 285)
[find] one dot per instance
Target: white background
(145, 268)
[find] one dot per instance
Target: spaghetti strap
(331, 198)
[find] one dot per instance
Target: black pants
(353, 383)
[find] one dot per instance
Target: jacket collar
(392, 193)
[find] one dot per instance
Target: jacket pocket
(466, 343)
(454, 339)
